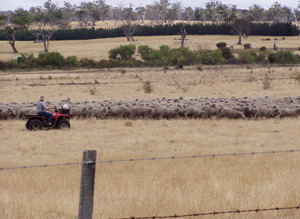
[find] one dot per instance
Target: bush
(122, 52)
(126, 63)
(86, 62)
(283, 57)
(247, 46)
(246, 57)
(263, 48)
(221, 45)
(226, 53)
(53, 59)
(206, 57)
(72, 62)
(13, 64)
(3, 65)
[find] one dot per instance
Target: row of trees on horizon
(158, 12)
(51, 17)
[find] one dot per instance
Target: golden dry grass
(98, 48)
(150, 188)
(213, 81)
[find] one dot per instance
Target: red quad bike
(60, 120)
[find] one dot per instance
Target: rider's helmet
(66, 106)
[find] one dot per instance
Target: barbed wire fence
(85, 210)
(153, 159)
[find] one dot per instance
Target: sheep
(230, 113)
(286, 112)
(266, 112)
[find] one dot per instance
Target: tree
(3, 18)
(240, 26)
(53, 16)
(199, 14)
(20, 21)
(183, 34)
(129, 28)
(256, 13)
(141, 12)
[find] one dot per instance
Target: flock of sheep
(165, 108)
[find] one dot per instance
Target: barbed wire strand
(219, 212)
(151, 159)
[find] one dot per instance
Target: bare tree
(183, 34)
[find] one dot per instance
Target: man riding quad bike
(58, 119)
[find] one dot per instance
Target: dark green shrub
(232, 61)
(182, 56)
(247, 46)
(52, 59)
(86, 62)
(122, 52)
(126, 63)
(283, 57)
(207, 57)
(261, 58)
(3, 65)
(226, 53)
(263, 48)
(221, 45)
(246, 57)
(146, 53)
(13, 64)
(72, 62)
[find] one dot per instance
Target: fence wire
(151, 159)
(219, 213)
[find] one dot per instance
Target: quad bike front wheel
(35, 125)
(63, 124)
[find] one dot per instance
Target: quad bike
(60, 120)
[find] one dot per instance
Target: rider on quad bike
(41, 110)
(58, 119)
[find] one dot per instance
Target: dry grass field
(150, 188)
(98, 48)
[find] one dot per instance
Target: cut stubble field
(158, 187)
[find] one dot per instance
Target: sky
(26, 4)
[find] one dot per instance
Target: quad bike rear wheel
(35, 125)
(63, 124)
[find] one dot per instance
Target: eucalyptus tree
(188, 14)
(256, 13)
(53, 18)
(199, 14)
(141, 12)
(19, 21)
(240, 26)
(129, 28)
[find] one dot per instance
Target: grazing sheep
(231, 114)
(266, 112)
(286, 112)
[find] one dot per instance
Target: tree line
(53, 22)
(258, 29)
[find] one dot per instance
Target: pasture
(98, 49)
(149, 188)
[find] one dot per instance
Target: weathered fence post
(86, 201)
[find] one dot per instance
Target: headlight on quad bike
(66, 106)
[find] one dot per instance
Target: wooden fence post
(88, 170)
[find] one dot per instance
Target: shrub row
(259, 29)
(164, 56)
